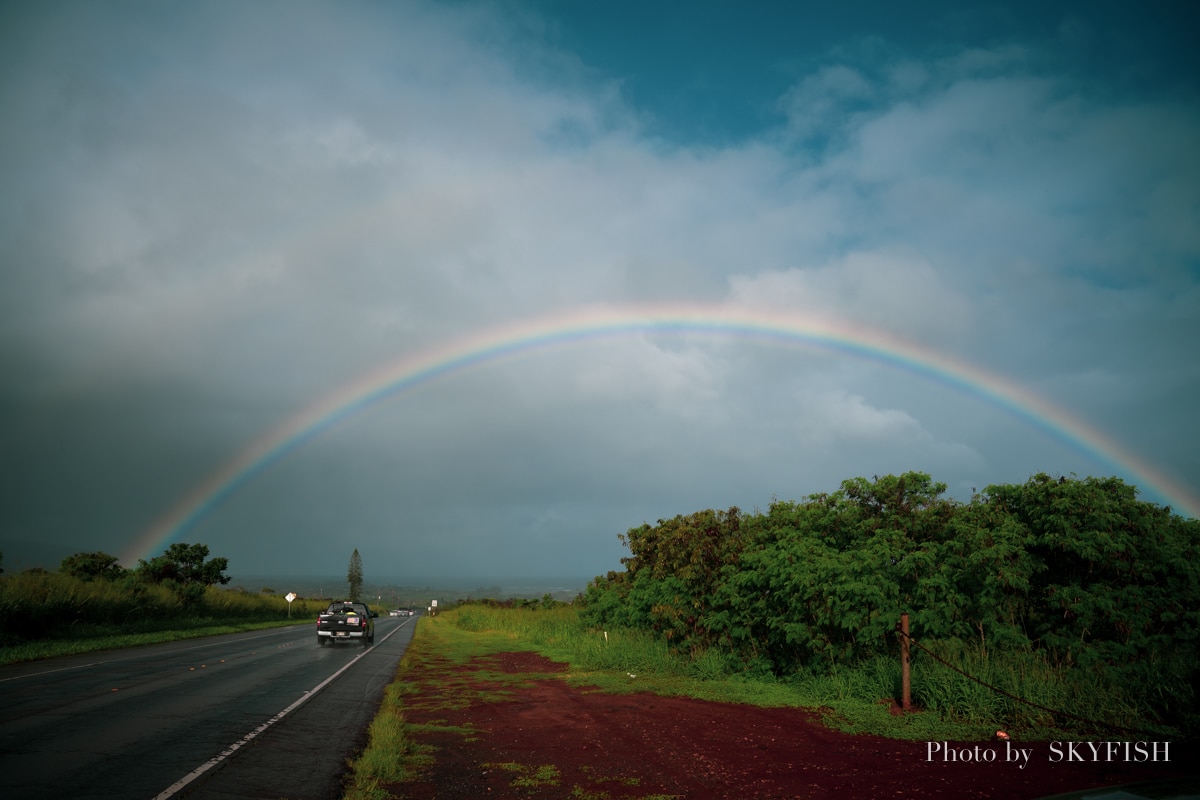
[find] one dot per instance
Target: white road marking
(174, 788)
(51, 671)
(111, 660)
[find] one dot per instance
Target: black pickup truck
(345, 621)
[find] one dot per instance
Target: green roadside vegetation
(1069, 593)
(1062, 608)
(92, 604)
(853, 700)
(46, 614)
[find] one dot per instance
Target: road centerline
(225, 754)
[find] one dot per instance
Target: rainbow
(564, 329)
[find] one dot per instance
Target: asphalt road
(267, 714)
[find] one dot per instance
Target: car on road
(346, 621)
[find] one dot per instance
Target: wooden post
(905, 678)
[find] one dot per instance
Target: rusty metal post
(905, 677)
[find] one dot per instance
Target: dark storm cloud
(217, 214)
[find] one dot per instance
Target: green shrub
(1077, 577)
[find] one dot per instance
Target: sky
(474, 288)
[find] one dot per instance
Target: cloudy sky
(218, 217)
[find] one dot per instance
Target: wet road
(267, 714)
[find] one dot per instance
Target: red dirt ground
(610, 746)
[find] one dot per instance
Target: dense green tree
(354, 575)
(674, 576)
(1079, 572)
(185, 564)
(92, 566)
(1110, 580)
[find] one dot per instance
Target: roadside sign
(290, 596)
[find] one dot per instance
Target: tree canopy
(1079, 571)
(92, 566)
(185, 564)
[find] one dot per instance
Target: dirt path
(539, 737)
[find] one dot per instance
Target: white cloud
(827, 103)
(885, 291)
(835, 417)
(237, 214)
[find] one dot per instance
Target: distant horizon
(49, 557)
(21, 556)
(462, 585)
(415, 580)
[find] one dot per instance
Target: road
(265, 714)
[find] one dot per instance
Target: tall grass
(560, 634)
(39, 608)
(391, 755)
(859, 696)
(1024, 690)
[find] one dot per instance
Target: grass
(46, 614)
(621, 661)
(854, 700)
(952, 704)
(526, 777)
(630, 661)
(391, 755)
